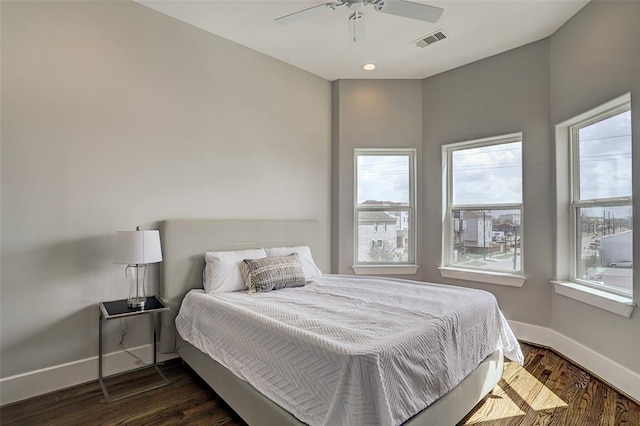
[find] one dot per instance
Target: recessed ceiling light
(369, 67)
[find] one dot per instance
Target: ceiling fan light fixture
(369, 67)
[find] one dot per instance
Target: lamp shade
(137, 247)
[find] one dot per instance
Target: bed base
(258, 410)
(183, 245)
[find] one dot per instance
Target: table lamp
(136, 249)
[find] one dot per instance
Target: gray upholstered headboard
(184, 243)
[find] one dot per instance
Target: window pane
(486, 239)
(383, 180)
(383, 236)
(605, 251)
(488, 175)
(605, 158)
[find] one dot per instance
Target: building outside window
(384, 206)
(483, 205)
(601, 200)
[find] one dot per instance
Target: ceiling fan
(403, 8)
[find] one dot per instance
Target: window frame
(575, 203)
(447, 265)
(411, 209)
(564, 261)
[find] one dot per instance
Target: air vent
(430, 39)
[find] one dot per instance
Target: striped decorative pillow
(272, 273)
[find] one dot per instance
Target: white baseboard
(38, 382)
(617, 375)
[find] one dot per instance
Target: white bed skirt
(258, 410)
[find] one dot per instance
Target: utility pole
(484, 235)
(515, 246)
(613, 220)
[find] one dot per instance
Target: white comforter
(349, 350)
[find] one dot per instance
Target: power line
(628, 154)
(604, 137)
(486, 164)
(405, 161)
(383, 173)
(484, 167)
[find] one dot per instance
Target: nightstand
(119, 309)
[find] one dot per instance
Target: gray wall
(368, 114)
(115, 116)
(595, 57)
(592, 59)
(503, 94)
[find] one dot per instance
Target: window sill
(385, 269)
(500, 278)
(619, 305)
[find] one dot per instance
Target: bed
(185, 241)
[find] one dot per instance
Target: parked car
(622, 264)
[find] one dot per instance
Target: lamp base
(137, 294)
(136, 303)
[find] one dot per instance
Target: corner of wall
(335, 177)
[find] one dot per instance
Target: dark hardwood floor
(548, 390)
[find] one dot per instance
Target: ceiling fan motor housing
(356, 5)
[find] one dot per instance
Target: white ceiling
(476, 29)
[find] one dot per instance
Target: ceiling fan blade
(356, 28)
(409, 9)
(306, 13)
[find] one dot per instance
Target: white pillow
(311, 271)
(222, 269)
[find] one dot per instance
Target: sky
(383, 178)
(605, 158)
(493, 174)
(488, 175)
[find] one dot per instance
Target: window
(384, 207)
(483, 205)
(601, 195)
(594, 214)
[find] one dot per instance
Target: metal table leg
(104, 388)
(155, 366)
